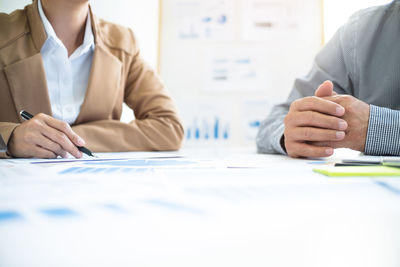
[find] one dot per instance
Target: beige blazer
(118, 75)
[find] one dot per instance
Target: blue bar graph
(70, 170)
(9, 215)
(216, 128)
(141, 163)
(254, 124)
(59, 212)
(209, 130)
(124, 166)
(96, 170)
(226, 135)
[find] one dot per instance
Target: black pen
(27, 116)
(352, 164)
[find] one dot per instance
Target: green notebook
(359, 171)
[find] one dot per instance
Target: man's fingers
(326, 143)
(66, 129)
(309, 151)
(48, 144)
(316, 119)
(61, 139)
(325, 89)
(319, 105)
(316, 134)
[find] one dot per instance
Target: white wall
(141, 16)
(8, 6)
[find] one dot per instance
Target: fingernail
(81, 142)
(342, 125)
(340, 135)
(329, 151)
(340, 111)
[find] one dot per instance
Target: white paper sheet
(230, 201)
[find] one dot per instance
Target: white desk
(224, 207)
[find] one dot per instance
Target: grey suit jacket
(363, 60)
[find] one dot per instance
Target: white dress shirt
(67, 77)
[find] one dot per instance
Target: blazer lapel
(104, 81)
(27, 81)
(27, 77)
(103, 87)
(38, 33)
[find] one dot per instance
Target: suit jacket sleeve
(156, 127)
(6, 129)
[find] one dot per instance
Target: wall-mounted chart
(204, 20)
(217, 56)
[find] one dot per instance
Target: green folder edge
(349, 171)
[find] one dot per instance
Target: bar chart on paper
(100, 170)
(124, 166)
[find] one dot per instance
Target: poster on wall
(204, 19)
(234, 69)
(206, 121)
(254, 112)
(262, 17)
(234, 59)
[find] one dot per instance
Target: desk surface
(198, 207)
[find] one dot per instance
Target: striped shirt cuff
(383, 135)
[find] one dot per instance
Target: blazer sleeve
(157, 126)
(6, 129)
